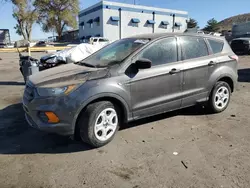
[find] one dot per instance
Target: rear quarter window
(216, 46)
(193, 47)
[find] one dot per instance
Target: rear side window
(193, 47)
(161, 52)
(216, 46)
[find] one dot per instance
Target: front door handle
(211, 63)
(174, 71)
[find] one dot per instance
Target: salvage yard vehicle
(30, 66)
(130, 79)
(241, 45)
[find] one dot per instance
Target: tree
(26, 16)
(57, 15)
(192, 23)
(212, 25)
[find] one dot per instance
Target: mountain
(227, 23)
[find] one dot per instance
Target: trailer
(4, 38)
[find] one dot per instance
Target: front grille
(238, 45)
(30, 121)
(29, 93)
(237, 42)
(25, 109)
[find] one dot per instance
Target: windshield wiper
(109, 64)
(87, 65)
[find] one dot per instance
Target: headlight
(47, 92)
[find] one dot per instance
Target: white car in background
(98, 40)
(215, 34)
(201, 32)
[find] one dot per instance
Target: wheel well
(115, 101)
(229, 81)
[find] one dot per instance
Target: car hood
(65, 75)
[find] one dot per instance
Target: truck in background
(241, 30)
(241, 38)
(4, 38)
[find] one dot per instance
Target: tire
(94, 118)
(220, 97)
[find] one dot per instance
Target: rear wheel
(99, 123)
(220, 97)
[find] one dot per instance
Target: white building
(114, 20)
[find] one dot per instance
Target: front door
(157, 89)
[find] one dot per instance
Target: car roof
(153, 36)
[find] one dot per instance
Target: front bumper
(65, 107)
(60, 128)
(33, 107)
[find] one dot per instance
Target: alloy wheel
(106, 124)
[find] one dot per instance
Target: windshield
(95, 40)
(115, 53)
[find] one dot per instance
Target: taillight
(234, 57)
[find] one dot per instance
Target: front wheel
(220, 97)
(99, 123)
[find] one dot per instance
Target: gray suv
(130, 79)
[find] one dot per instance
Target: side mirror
(143, 63)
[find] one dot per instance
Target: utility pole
(153, 24)
(173, 22)
(120, 23)
(134, 2)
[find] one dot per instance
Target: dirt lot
(213, 150)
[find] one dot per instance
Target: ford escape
(130, 79)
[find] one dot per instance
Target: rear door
(197, 59)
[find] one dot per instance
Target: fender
(230, 77)
(220, 73)
(128, 115)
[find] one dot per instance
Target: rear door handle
(174, 71)
(211, 63)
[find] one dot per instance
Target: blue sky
(201, 10)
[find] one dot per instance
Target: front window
(114, 53)
(161, 52)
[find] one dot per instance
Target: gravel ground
(212, 150)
